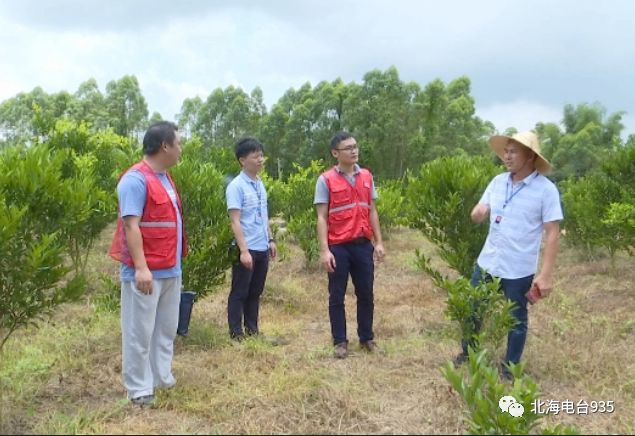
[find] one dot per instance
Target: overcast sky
(526, 59)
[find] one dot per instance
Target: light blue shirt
(517, 216)
(131, 191)
(250, 198)
(322, 195)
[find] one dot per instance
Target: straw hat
(528, 139)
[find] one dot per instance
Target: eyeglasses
(349, 148)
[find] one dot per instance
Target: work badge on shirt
(498, 215)
(496, 231)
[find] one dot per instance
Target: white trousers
(148, 329)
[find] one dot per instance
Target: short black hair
(157, 134)
(339, 137)
(246, 146)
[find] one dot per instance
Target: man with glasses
(247, 207)
(347, 225)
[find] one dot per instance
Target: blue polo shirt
(518, 213)
(131, 191)
(250, 198)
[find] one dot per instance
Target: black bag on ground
(185, 312)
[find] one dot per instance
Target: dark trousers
(355, 259)
(244, 297)
(514, 290)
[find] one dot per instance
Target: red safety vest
(158, 225)
(349, 207)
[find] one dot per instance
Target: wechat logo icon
(510, 405)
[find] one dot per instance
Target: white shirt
(517, 216)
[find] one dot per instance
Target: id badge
(259, 217)
(498, 215)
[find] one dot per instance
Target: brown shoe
(371, 347)
(341, 350)
(459, 359)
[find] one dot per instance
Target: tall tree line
(588, 137)
(399, 125)
(34, 114)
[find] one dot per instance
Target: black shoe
(371, 347)
(238, 337)
(505, 373)
(250, 332)
(459, 359)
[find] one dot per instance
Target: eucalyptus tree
(126, 107)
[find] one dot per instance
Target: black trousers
(244, 298)
(354, 259)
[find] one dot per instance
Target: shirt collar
(356, 169)
(246, 178)
(527, 179)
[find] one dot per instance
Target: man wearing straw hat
(520, 203)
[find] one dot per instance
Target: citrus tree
(202, 188)
(439, 200)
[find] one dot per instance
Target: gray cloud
(540, 53)
(104, 15)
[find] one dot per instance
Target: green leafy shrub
(294, 199)
(599, 207)
(301, 188)
(439, 201)
(586, 204)
(620, 166)
(59, 190)
(303, 229)
(75, 194)
(482, 312)
(620, 217)
(206, 224)
(222, 157)
(390, 206)
(114, 154)
(32, 178)
(63, 207)
(277, 196)
(88, 209)
(32, 277)
(108, 300)
(482, 391)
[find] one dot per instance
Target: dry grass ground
(65, 376)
